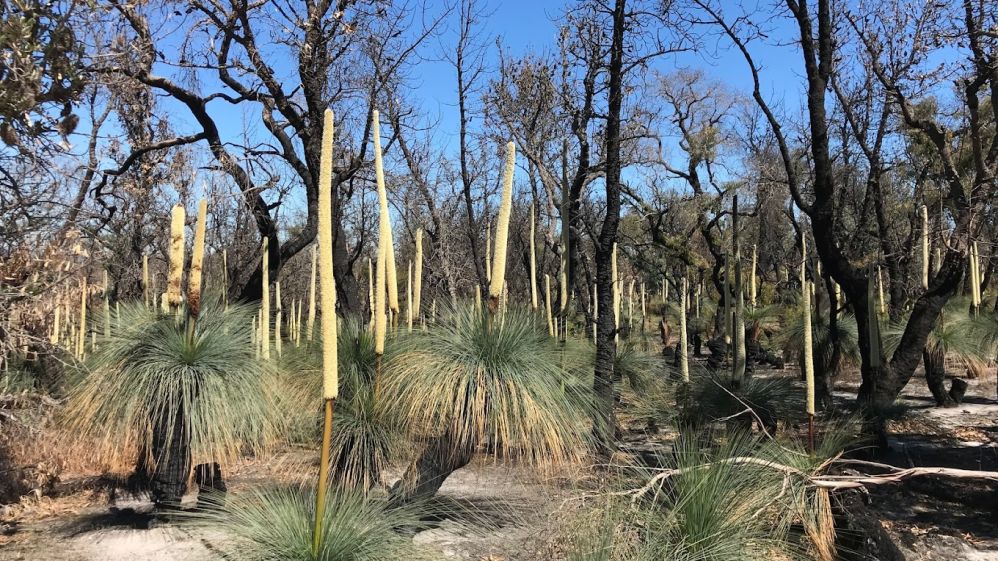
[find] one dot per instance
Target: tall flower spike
(925, 247)
(145, 280)
(173, 288)
(311, 295)
(684, 365)
(547, 303)
(417, 289)
(327, 294)
(533, 259)
(278, 317)
(265, 301)
(384, 219)
(380, 316)
(107, 308)
(408, 299)
(197, 261)
(502, 229)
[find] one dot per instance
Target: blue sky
(525, 26)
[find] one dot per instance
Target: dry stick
(330, 367)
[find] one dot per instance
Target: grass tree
(475, 382)
(178, 385)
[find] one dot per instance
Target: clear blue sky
(526, 26)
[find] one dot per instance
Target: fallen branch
(832, 482)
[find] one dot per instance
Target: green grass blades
(502, 384)
(276, 523)
(149, 367)
(712, 507)
(368, 434)
(714, 397)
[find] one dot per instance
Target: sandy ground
(930, 519)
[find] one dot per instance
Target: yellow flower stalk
(752, 288)
(145, 280)
(311, 295)
(533, 260)
(164, 303)
(298, 324)
(255, 330)
(417, 289)
(107, 309)
(384, 219)
(54, 339)
(225, 279)
(880, 291)
(173, 287)
(642, 307)
(630, 304)
(925, 247)
(975, 277)
(488, 253)
(82, 341)
(197, 262)
(380, 317)
(684, 365)
(327, 294)
(408, 299)
(277, 318)
(873, 322)
(498, 279)
(808, 365)
(547, 303)
(370, 287)
(265, 301)
(595, 312)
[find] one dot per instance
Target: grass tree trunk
(171, 450)
(934, 359)
(439, 459)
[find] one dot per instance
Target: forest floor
(930, 518)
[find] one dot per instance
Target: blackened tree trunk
(934, 359)
(442, 456)
(606, 347)
(171, 450)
